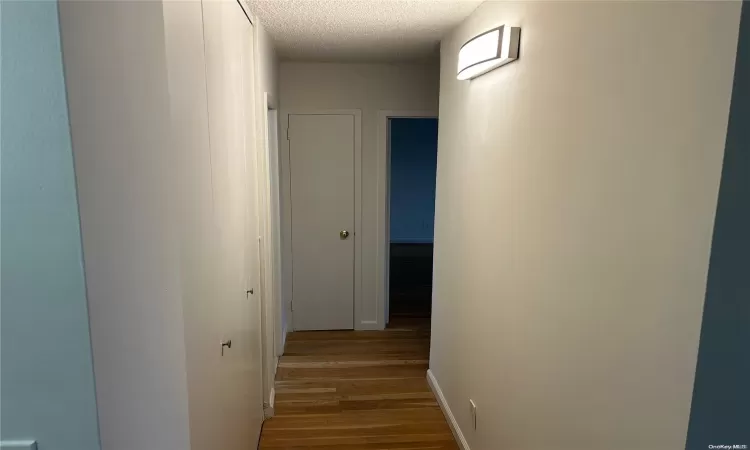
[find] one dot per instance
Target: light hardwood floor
(348, 390)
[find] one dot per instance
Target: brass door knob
(344, 234)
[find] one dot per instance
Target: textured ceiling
(360, 30)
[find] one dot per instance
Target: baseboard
(18, 445)
(268, 410)
(432, 381)
(368, 325)
(284, 332)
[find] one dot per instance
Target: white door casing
(382, 300)
(281, 316)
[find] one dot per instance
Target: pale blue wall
(47, 382)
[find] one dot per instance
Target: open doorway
(412, 150)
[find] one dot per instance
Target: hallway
(565, 265)
(357, 390)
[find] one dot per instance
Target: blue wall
(47, 382)
(412, 189)
(720, 411)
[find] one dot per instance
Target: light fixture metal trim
(483, 53)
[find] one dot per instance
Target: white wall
(268, 62)
(576, 192)
(370, 88)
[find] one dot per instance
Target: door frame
(269, 295)
(286, 203)
(383, 213)
(274, 222)
(273, 335)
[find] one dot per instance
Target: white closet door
(229, 70)
(251, 313)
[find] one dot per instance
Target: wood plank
(364, 390)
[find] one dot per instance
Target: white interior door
(321, 152)
(229, 73)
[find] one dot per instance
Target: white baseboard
(368, 325)
(268, 410)
(432, 381)
(18, 445)
(284, 333)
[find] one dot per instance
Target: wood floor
(364, 390)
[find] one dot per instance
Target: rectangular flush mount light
(488, 51)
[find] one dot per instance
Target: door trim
(270, 236)
(382, 217)
(359, 324)
(269, 308)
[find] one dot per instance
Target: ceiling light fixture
(488, 51)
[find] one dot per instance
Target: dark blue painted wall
(413, 166)
(720, 412)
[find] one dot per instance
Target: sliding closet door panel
(247, 318)
(183, 28)
(253, 311)
(229, 69)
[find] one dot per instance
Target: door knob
(344, 234)
(227, 344)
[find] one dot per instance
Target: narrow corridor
(357, 390)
